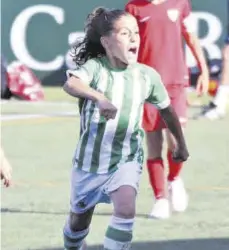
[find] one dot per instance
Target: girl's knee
(75, 223)
(125, 212)
(124, 202)
(79, 222)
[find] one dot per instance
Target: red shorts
(152, 120)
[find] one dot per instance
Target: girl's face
(123, 42)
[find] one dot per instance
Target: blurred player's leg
(153, 125)
(217, 109)
(177, 192)
(155, 167)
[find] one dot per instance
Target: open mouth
(133, 50)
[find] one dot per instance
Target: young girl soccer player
(108, 159)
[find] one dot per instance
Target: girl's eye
(124, 33)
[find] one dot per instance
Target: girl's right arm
(76, 88)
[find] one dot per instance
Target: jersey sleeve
(186, 18)
(158, 95)
(88, 72)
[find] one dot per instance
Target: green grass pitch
(40, 150)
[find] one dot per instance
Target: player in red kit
(164, 24)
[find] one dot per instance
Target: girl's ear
(103, 41)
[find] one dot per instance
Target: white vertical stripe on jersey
(117, 100)
(103, 81)
(137, 89)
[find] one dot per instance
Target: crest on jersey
(173, 14)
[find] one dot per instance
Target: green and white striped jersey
(104, 145)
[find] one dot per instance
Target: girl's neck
(116, 63)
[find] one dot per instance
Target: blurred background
(40, 127)
(40, 33)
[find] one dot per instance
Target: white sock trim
(121, 223)
(221, 97)
(114, 245)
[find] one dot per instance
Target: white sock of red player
(222, 97)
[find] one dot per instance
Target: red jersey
(162, 27)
